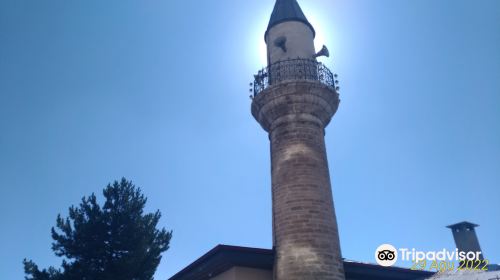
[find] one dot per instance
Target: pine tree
(117, 241)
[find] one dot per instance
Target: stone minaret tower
(294, 99)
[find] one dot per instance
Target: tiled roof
(467, 275)
(223, 257)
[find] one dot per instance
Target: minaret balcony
(292, 70)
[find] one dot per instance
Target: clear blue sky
(157, 91)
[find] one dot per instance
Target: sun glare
(320, 23)
(262, 52)
(257, 43)
(313, 15)
(319, 40)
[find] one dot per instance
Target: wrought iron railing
(293, 69)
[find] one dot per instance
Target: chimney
(466, 238)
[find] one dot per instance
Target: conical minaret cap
(288, 10)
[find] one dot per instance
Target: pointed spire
(288, 10)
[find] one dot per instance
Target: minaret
(294, 99)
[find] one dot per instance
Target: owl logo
(386, 255)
